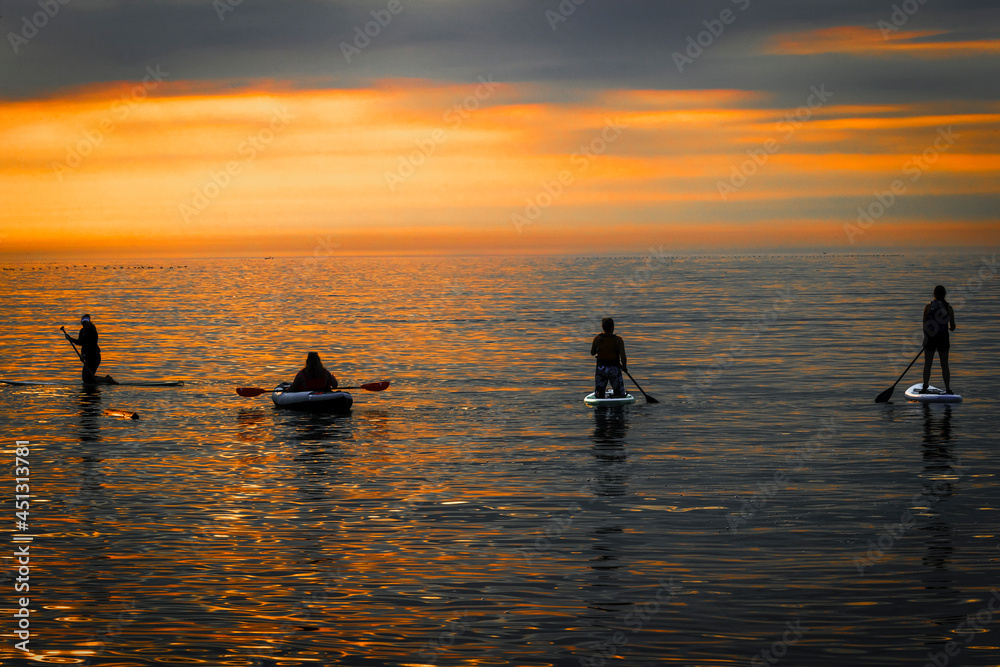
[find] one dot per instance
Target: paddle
(649, 399)
(250, 392)
(107, 379)
(887, 394)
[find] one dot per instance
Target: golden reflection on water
(477, 512)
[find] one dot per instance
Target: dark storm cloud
(596, 44)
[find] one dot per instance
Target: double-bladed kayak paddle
(249, 392)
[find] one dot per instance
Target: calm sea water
(766, 511)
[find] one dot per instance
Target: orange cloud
(416, 166)
(861, 40)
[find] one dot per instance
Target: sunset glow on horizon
(167, 166)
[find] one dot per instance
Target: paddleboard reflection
(942, 473)
(611, 457)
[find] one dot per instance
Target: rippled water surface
(477, 512)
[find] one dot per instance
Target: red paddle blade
(250, 391)
(376, 386)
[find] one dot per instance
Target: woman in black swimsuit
(939, 318)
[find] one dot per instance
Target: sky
(182, 128)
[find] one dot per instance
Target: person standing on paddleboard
(939, 318)
(314, 377)
(611, 361)
(89, 351)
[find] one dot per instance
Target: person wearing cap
(89, 350)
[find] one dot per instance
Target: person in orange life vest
(314, 377)
(611, 361)
(939, 317)
(89, 350)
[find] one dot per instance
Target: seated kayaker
(314, 377)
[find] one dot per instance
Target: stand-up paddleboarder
(939, 318)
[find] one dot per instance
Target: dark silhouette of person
(91, 353)
(314, 377)
(611, 361)
(939, 318)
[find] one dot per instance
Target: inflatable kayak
(932, 395)
(320, 401)
(592, 399)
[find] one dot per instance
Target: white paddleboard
(137, 383)
(624, 400)
(933, 395)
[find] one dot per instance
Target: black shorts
(938, 343)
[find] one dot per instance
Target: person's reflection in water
(937, 429)
(89, 504)
(320, 427)
(91, 477)
(90, 414)
(610, 427)
(319, 456)
(942, 470)
(605, 519)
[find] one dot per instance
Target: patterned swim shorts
(605, 374)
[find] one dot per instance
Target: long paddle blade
(649, 399)
(374, 386)
(250, 392)
(885, 395)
